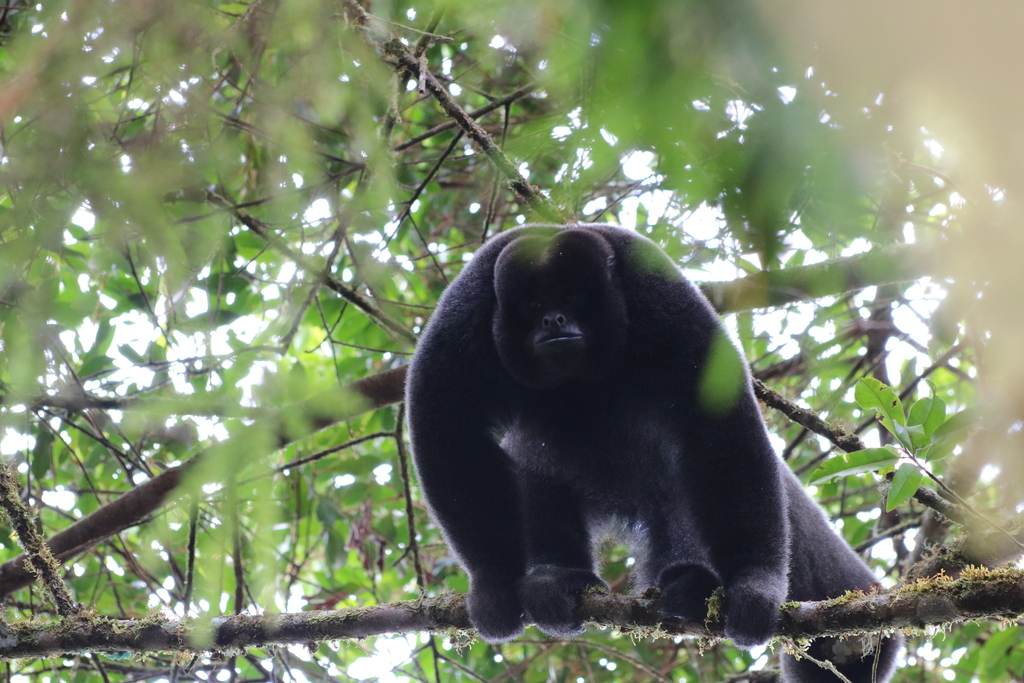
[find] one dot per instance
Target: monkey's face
(560, 313)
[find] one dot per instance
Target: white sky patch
(319, 210)
(67, 337)
(906, 320)
(560, 133)
(704, 223)
(61, 499)
(15, 442)
(637, 165)
(798, 240)
(455, 89)
(498, 42)
(382, 473)
(296, 603)
(288, 272)
(935, 148)
(716, 271)
(738, 112)
(898, 354)
(574, 118)
(657, 203)
(857, 246)
(87, 334)
(595, 205)
(198, 302)
(133, 329)
(113, 566)
(784, 325)
(389, 654)
(787, 93)
(988, 474)
(823, 333)
(627, 212)
(608, 137)
(701, 105)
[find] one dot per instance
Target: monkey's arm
(454, 394)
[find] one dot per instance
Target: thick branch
(997, 594)
(828, 278)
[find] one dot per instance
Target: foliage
(212, 212)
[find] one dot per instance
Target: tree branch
(979, 594)
(769, 288)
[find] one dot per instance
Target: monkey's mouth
(557, 340)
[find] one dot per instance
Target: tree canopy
(224, 224)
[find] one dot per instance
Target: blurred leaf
(867, 460)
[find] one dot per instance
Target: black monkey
(563, 389)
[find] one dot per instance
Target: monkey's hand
(551, 594)
(752, 608)
(494, 609)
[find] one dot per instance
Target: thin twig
(410, 516)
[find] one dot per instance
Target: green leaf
(95, 365)
(929, 413)
(906, 437)
(874, 395)
(42, 454)
(722, 379)
(904, 484)
(940, 449)
(958, 424)
(131, 354)
(867, 460)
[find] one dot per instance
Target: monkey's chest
(598, 450)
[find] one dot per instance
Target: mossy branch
(978, 594)
(40, 560)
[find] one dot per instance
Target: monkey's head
(561, 315)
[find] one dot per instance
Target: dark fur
(555, 393)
